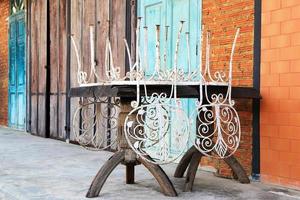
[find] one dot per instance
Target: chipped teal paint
(17, 66)
(169, 13)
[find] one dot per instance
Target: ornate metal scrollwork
(95, 123)
(218, 130)
(148, 129)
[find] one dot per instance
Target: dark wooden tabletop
(186, 91)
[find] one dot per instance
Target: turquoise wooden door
(170, 13)
(17, 80)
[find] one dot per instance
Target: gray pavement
(33, 168)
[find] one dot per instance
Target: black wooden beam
(68, 71)
(48, 73)
(129, 91)
(256, 85)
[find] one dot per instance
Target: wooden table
(128, 157)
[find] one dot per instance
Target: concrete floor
(33, 168)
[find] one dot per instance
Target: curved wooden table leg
(103, 174)
(237, 169)
(184, 162)
(161, 177)
(191, 173)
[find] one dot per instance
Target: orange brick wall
(280, 88)
(4, 10)
(222, 17)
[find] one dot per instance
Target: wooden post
(130, 173)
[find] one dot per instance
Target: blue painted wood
(17, 67)
(169, 13)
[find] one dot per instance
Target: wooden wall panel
(54, 64)
(42, 67)
(83, 14)
(76, 18)
(62, 68)
(34, 64)
(38, 62)
(58, 56)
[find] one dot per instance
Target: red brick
(280, 144)
(4, 10)
(271, 5)
(265, 143)
(294, 119)
(284, 170)
(265, 43)
(289, 53)
(290, 106)
(270, 105)
(279, 67)
(264, 118)
(269, 156)
(280, 41)
(266, 18)
(295, 92)
(295, 65)
(289, 158)
(289, 132)
(289, 3)
(265, 92)
(270, 55)
(295, 146)
(279, 92)
(279, 118)
(271, 29)
(295, 12)
(281, 15)
(290, 79)
(295, 172)
(265, 68)
(270, 80)
(269, 130)
(290, 26)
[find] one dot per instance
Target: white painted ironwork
(147, 129)
(218, 129)
(95, 123)
(148, 126)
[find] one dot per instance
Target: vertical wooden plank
(62, 69)
(89, 17)
(102, 33)
(54, 73)
(76, 18)
(133, 21)
(34, 67)
(89, 10)
(42, 70)
(118, 33)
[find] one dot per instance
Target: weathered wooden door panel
(109, 20)
(58, 55)
(38, 66)
(17, 63)
(169, 13)
(83, 14)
